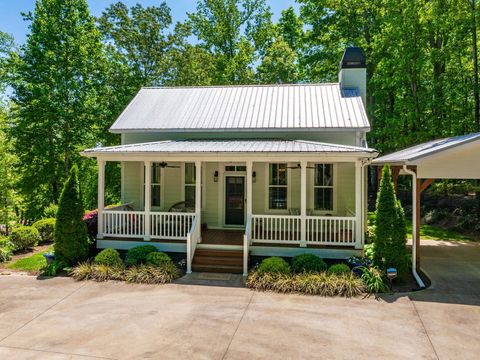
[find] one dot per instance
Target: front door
(235, 200)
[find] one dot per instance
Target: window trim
(334, 188)
(183, 168)
(267, 189)
(161, 184)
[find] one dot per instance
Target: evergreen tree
(71, 237)
(390, 234)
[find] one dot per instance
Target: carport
(451, 158)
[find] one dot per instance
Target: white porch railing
(193, 238)
(123, 223)
(276, 229)
(131, 224)
(331, 230)
(247, 238)
(171, 226)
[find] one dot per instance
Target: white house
(224, 172)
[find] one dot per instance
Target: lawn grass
(33, 262)
(427, 232)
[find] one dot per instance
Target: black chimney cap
(353, 58)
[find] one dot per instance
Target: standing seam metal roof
(229, 146)
(426, 149)
(272, 107)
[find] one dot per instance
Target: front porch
(280, 203)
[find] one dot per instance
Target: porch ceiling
(230, 147)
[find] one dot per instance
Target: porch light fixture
(215, 176)
(254, 176)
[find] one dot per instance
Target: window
(277, 186)
(323, 187)
(190, 183)
(235, 168)
(155, 184)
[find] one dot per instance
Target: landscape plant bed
(142, 274)
(31, 260)
(322, 283)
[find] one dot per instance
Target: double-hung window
(277, 186)
(190, 183)
(155, 184)
(323, 187)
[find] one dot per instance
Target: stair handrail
(247, 239)
(193, 237)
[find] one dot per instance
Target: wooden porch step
(226, 261)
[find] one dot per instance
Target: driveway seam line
(54, 352)
(424, 328)
(43, 312)
(238, 325)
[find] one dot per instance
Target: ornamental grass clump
(143, 274)
(374, 279)
(323, 284)
(308, 263)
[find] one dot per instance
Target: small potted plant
(49, 256)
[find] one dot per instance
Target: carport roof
(410, 155)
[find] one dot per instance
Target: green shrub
(138, 254)
(50, 211)
(274, 265)
(46, 228)
(24, 237)
(390, 233)
(54, 267)
(339, 269)
(308, 263)
(71, 239)
(323, 284)
(6, 249)
(373, 279)
(142, 274)
(109, 257)
(157, 259)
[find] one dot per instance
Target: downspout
(414, 226)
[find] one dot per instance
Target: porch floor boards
(222, 237)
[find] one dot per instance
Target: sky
(12, 22)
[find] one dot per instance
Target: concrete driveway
(62, 319)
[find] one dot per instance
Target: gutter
(414, 223)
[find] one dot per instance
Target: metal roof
(426, 149)
(228, 146)
(251, 107)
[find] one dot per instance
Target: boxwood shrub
(308, 263)
(274, 265)
(157, 259)
(138, 254)
(109, 257)
(24, 237)
(339, 269)
(46, 228)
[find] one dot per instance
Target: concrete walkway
(62, 319)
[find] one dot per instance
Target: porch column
(147, 200)
(303, 203)
(249, 165)
(198, 192)
(358, 205)
(101, 196)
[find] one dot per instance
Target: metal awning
(229, 147)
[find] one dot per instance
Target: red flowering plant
(91, 220)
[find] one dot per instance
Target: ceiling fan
(164, 165)
(298, 167)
